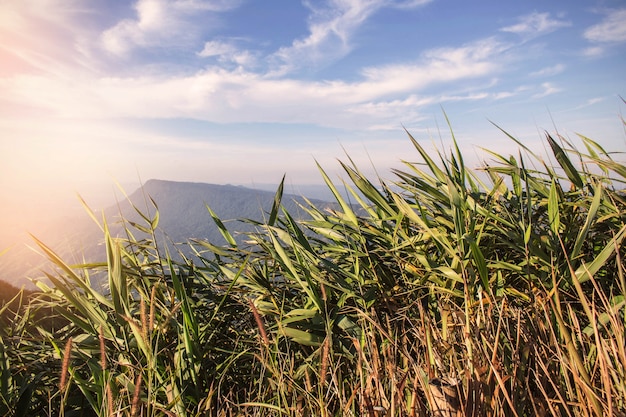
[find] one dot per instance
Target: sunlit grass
(496, 292)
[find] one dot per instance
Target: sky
(99, 92)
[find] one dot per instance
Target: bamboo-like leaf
(276, 205)
(565, 162)
(439, 174)
(518, 142)
(369, 190)
(515, 177)
(299, 315)
(214, 249)
(349, 326)
(587, 270)
(613, 166)
(527, 234)
(350, 216)
(593, 146)
(328, 233)
(481, 265)
(137, 332)
(92, 317)
(554, 209)
(591, 217)
(140, 227)
(90, 212)
(154, 222)
(297, 233)
(118, 285)
(302, 337)
(222, 229)
(284, 259)
(431, 232)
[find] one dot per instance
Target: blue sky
(243, 91)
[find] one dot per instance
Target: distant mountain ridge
(183, 215)
(183, 207)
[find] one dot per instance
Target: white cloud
(438, 65)
(227, 52)
(216, 48)
(548, 71)
(153, 24)
(408, 4)
(159, 23)
(239, 95)
(190, 6)
(594, 51)
(548, 89)
(331, 27)
(611, 29)
(595, 100)
(536, 24)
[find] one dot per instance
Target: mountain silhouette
(183, 215)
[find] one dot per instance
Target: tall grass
(491, 292)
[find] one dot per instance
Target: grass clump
(492, 292)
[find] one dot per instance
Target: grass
(491, 292)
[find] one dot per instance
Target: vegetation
(496, 292)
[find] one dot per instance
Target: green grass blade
(222, 229)
(350, 216)
(276, 205)
(565, 162)
(587, 270)
(591, 216)
(554, 209)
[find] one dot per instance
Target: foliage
(503, 287)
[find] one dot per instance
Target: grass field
(491, 292)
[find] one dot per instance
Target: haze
(242, 92)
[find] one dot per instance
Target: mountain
(183, 215)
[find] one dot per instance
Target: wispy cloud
(437, 65)
(595, 100)
(610, 31)
(536, 24)
(548, 71)
(331, 26)
(230, 87)
(239, 95)
(162, 23)
(594, 51)
(548, 89)
(227, 52)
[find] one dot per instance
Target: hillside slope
(183, 215)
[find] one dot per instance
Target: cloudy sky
(243, 91)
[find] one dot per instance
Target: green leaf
(276, 205)
(220, 226)
(302, 337)
(553, 208)
(350, 216)
(481, 265)
(369, 190)
(588, 270)
(591, 215)
(565, 162)
(437, 172)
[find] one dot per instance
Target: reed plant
(449, 291)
